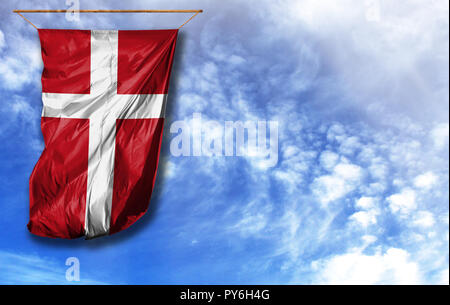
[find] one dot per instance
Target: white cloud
(349, 145)
(392, 267)
(290, 151)
(365, 203)
(344, 179)
(350, 172)
(378, 168)
(373, 189)
(440, 135)
(330, 188)
(336, 133)
(328, 159)
(426, 180)
(20, 68)
(365, 218)
(368, 239)
(369, 213)
(403, 202)
(424, 219)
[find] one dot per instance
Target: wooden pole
(196, 12)
(27, 20)
(108, 11)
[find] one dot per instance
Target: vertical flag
(104, 95)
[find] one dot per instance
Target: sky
(359, 194)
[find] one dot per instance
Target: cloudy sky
(360, 193)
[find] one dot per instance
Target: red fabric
(59, 180)
(145, 61)
(67, 61)
(138, 144)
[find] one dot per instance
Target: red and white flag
(104, 96)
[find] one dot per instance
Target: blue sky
(360, 193)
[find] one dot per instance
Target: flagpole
(196, 12)
(108, 11)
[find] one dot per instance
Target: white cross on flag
(104, 96)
